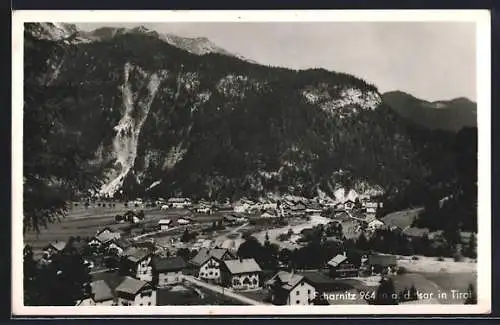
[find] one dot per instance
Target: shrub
(440, 259)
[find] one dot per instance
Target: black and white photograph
(259, 162)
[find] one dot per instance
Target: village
(286, 251)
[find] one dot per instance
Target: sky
(430, 60)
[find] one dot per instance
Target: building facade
(133, 292)
(168, 271)
(286, 288)
(241, 274)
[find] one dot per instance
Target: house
(160, 201)
(240, 274)
(269, 206)
(339, 206)
(340, 267)
(139, 202)
(313, 208)
(137, 263)
(53, 248)
(224, 207)
(324, 284)
(101, 295)
(374, 224)
(168, 270)
(183, 221)
(267, 215)
(118, 246)
(164, 224)
(204, 209)
(286, 288)
(179, 203)
(208, 261)
(134, 292)
(382, 264)
(240, 207)
(371, 207)
(104, 237)
(299, 207)
(349, 205)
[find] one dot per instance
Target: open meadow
(85, 222)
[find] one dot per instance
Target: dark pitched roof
(286, 280)
(57, 245)
(101, 291)
(205, 254)
(168, 264)
(237, 266)
(112, 279)
(322, 282)
(178, 200)
(136, 254)
(106, 237)
(122, 243)
(131, 286)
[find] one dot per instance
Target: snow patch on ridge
(129, 126)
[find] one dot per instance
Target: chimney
(344, 253)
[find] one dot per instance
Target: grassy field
(85, 222)
(436, 284)
(449, 282)
(402, 219)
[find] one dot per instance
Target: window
(298, 302)
(302, 283)
(149, 303)
(309, 291)
(298, 292)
